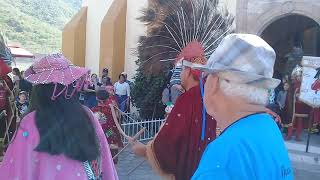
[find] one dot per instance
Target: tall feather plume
(172, 24)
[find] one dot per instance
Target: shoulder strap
(88, 171)
(170, 98)
(204, 111)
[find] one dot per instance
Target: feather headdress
(189, 29)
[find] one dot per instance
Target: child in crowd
(173, 90)
(284, 100)
(110, 89)
(103, 113)
(281, 99)
(22, 103)
(89, 89)
(105, 73)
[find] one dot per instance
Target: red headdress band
(194, 53)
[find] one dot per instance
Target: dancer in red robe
(104, 114)
(301, 109)
(176, 150)
(6, 99)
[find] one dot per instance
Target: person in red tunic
(299, 107)
(103, 112)
(5, 107)
(176, 150)
(287, 107)
(6, 99)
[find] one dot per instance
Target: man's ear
(213, 84)
(188, 71)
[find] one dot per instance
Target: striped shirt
(175, 78)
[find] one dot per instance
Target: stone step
(306, 172)
(303, 157)
(302, 147)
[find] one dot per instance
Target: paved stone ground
(305, 171)
(304, 168)
(128, 161)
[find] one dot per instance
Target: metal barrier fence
(131, 125)
(152, 128)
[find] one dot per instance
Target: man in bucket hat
(236, 92)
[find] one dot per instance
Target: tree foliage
(36, 24)
(147, 93)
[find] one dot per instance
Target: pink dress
(21, 162)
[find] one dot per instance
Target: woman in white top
(122, 91)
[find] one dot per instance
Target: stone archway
(271, 18)
(289, 34)
(253, 16)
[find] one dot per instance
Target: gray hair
(251, 94)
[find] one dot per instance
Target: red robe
(300, 107)
(315, 115)
(177, 149)
(5, 105)
(109, 127)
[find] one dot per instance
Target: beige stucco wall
(251, 16)
(97, 9)
(113, 39)
(85, 3)
(135, 29)
(74, 38)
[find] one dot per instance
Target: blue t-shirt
(251, 148)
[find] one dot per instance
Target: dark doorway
(292, 37)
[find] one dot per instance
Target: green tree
(36, 24)
(147, 93)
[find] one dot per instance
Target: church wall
(97, 9)
(253, 16)
(74, 38)
(113, 39)
(85, 3)
(135, 29)
(231, 7)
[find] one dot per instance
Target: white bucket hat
(244, 59)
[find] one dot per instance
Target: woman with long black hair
(59, 138)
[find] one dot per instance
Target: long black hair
(64, 125)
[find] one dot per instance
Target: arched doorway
(292, 36)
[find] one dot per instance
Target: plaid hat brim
(242, 58)
(237, 76)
